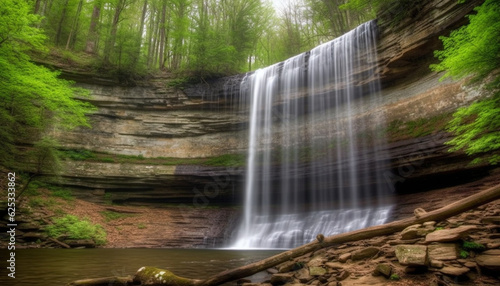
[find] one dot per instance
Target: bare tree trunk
(156, 41)
(139, 36)
(37, 6)
(456, 208)
(110, 43)
(161, 51)
(93, 35)
(151, 38)
(75, 24)
(61, 20)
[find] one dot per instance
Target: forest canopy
(203, 38)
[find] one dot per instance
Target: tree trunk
(161, 51)
(93, 35)
(75, 24)
(37, 7)
(137, 52)
(151, 38)
(110, 43)
(456, 208)
(61, 21)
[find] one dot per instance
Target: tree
(74, 27)
(33, 99)
(93, 35)
(474, 49)
(180, 33)
(119, 6)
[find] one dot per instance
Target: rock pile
(463, 250)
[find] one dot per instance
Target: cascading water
(315, 154)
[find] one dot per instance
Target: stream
(60, 266)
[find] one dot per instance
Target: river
(60, 266)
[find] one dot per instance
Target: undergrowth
(73, 227)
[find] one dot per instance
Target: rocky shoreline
(462, 250)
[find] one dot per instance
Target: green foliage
(75, 228)
(227, 160)
(62, 193)
(107, 160)
(33, 98)
(179, 82)
(395, 277)
(111, 215)
(464, 254)
(474, 48)
(77, 155)
(38, 202)
(142, 226)
(472, 246)
(390, 11)
(44, 156)
(298, 265)
(477, 128)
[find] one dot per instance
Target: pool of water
(61, 266)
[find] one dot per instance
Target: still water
(60, 266)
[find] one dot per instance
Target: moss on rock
(152, 276)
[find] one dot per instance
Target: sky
(280, 4)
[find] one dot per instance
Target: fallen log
(105, 281)
(456, 208)
(64, 245)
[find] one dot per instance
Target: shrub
(474, 246)
(395, 277)
(75, 228)
(62, 193)
(77, 155)
(111, 215)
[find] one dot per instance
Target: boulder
(303, 275)
(448, 235)
(383, 269)
(281, 278)
(413, 255)
(491, 220)
(344, 257)
(365, 253)
(317, 271)
(410, 232)
(335, 265)
(288, 266)
(343, 275)
(436, 263)
(442, 251)
(243, 281)
(489, 259)
(454, 271)
(416, 231)
(316, 261)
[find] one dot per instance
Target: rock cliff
(154, 119)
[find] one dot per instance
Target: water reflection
(61, 266)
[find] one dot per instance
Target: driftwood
(456, 208)
(62, 244)
(105, 281)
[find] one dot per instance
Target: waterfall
(316, 157)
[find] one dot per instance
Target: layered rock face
(154, 119)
